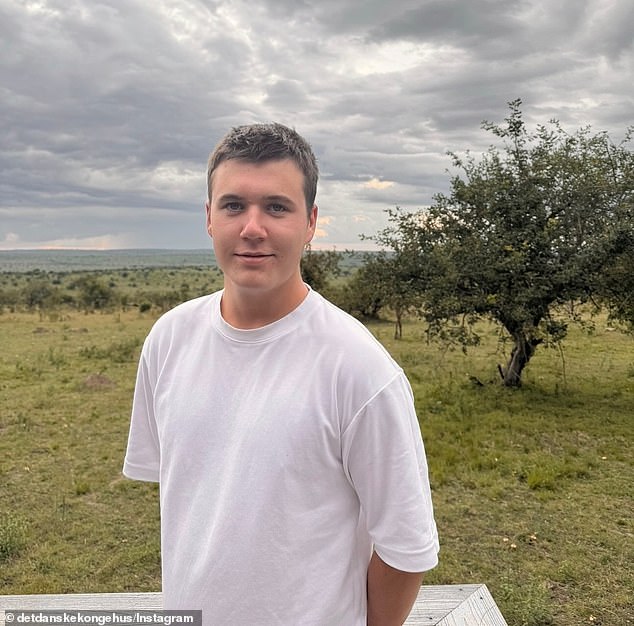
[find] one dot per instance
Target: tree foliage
(94, 293)
(617, 288)
(318, 267)
(392, 280)
(40, 294)
(526, 231)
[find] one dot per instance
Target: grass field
(532, 487)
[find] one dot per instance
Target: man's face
(259, 224)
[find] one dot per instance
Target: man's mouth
(253, 258)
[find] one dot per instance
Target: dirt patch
(98, 381)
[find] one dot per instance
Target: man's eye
(233, 206)
(277, 208)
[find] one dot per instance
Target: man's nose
(253, 227)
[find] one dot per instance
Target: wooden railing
(436, 605)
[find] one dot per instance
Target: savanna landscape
(532, 486)
(509, 304)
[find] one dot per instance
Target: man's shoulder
(347, 335)
(337, 319)
(186, 315)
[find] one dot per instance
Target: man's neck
(247, 310)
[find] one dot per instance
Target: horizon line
(319, 247)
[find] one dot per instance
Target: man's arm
(391, 593)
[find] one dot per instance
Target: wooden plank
(436, 605)
(85, 601)
(435, 602)
(455, 605)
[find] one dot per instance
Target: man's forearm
(391, 593)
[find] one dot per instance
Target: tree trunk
(398, 326)
(523, 350)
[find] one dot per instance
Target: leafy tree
(359, 296)
(394, 280)
(524, 231)
(9, 298)
(94, 293)
(39, 293)
(319, 267)
(617, 288)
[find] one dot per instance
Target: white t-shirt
(285, 454)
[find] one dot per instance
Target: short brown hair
(256, 143)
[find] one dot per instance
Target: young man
(292, 473)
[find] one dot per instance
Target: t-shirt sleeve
(384, 457)
(142, 459)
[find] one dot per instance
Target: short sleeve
(142, 460)
(384, 457)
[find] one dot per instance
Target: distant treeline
(89, 260)
(148, 288)
(104, 290)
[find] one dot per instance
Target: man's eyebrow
(233, 197)
(279, 198)
(227, 197)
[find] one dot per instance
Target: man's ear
(312, 224)
(208, 214)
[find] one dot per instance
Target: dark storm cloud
(454, 22)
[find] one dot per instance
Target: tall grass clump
(13, 533)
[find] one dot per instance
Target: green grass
(66, 388)
(532, 487)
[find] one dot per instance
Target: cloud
(375, 183)
(104, 242)
(108, 111)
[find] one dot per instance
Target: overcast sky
(109, 109)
